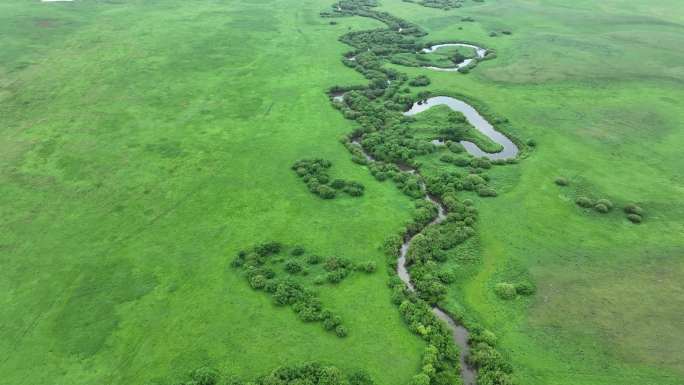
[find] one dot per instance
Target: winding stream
(460, 334)
(510, 150)
(479, 54)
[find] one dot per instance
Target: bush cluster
(505, 290)
(561, 181)
(258, 265)
(420, 81)
(314, 172)
(635, 214)
(312, 373)
(601, 205)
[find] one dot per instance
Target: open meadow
(143, 144)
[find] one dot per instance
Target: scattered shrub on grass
(601, 208)
(524, 288)
(505, 290)
(268, 248)
(420, 379)
(325, 192)
(562, 181)
(420, 81)
(293, 267)
(483, 335)
(605, 202)
(360, 378)
(313, 259)
(314, 172)
(338, 184)
(256, 265)
(633, 209)
(304, 374)
(205, 376)
(368, 267)
(341, 331)
(258, 282)
(297, 251)
(584, 202)
(634, 218)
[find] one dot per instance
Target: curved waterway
(479, 54)
(510, 150)
(459, 333)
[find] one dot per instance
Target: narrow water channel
(510, 150)
(479, 54)
(459, 333)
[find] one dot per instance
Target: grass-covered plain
(143, 143)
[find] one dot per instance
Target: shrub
(336, 276)
(313, 259)
(606, 203)
(268, 248)
(257, 282)
(205, 376)
(486, 191)
(293, 267)
(633, 209)
(420, 81)
(330, 321)
(360, 378)
(326, 192)
(584, 202)
(338, 184)
(561, 181)
(600, 207)
(369, 267)
(505, 290)
(634, 218)
(341, 331)
(524, 288)
(420, 379)
(532, 143)
(297, 251)
(483, 335)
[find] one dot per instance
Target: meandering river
(510, 150)
(479, 54)
(460, 334)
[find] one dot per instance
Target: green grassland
(142, 144)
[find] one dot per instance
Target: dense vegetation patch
(288, 277)
(312, 373)
(442, 4)
(314, 172)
